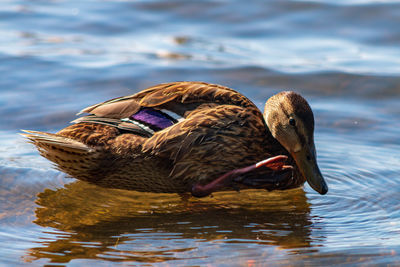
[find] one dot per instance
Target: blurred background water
(58, 57)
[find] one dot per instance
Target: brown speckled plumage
(220, 130)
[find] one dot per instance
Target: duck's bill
(307, 163)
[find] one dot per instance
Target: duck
(188, 137)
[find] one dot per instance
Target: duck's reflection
(117, 225)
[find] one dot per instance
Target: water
(58, 57)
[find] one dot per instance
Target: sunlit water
(58, 57)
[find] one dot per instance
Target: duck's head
(291, 121)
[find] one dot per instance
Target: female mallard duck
(189, 136)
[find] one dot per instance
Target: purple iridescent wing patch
(153, 118)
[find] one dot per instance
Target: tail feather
(71, 156)
(42, 138)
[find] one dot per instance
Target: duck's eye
(292, 122)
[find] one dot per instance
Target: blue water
(58, 57)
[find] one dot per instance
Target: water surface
(58, 57)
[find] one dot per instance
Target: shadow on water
(118, 225)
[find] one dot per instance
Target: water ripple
(60, 56)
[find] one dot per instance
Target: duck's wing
(177, 97)
(161, 106)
